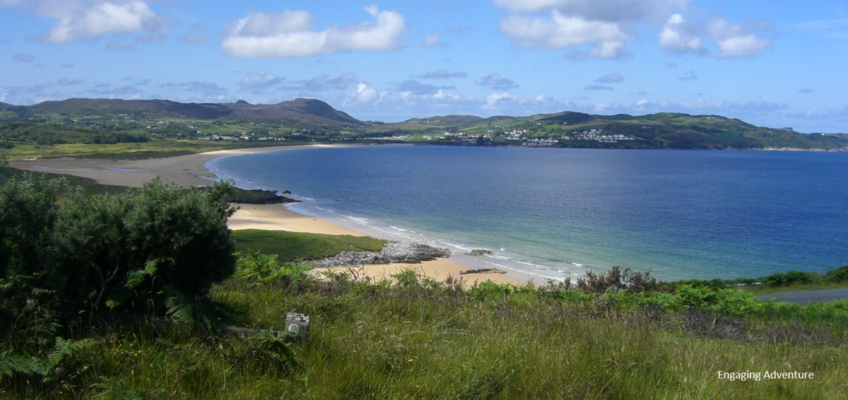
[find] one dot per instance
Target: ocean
(555, 213)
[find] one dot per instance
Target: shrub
(131, 251)
(837, 275)
(263, 268)
(787, 278)
(617, 279)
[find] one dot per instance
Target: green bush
(263, 268)
(837, 275)
(787, 278)
(134, 251)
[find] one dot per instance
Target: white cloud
(678, 35)
(734, 41)
(603, 10)
(432, 40)
(94, 18)
(443, 74)
(363, 94)
(493, 99)
(9, 3)
(289, 34)
(561, 31)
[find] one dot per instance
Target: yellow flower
(410, 360)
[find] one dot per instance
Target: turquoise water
(552, 213)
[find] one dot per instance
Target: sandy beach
(189, 170)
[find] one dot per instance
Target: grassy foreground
(417, 339)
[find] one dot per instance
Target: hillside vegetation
(104, 121)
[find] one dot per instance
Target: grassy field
(291, 246)
(420, 340)
(89, 186)
(131, 151)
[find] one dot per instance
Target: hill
(81, 120)
(660, 130)
(304, 111)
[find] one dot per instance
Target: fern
(133, 280)
(185, 308)
(11, 364)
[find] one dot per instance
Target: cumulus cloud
(258, 83)
(94, 18)
(602, 10)
(734, 41)
(290, 34)
(497, 82)
(562, 31)
(21, 57)
(443, 74)
(680, 36)
(611, 78)
(597, 87)
(431, 40)
(364, 94)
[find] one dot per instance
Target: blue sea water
(554, 213)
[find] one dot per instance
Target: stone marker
(298, 324)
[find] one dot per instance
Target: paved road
(810, 296)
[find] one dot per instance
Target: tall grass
(418, 339)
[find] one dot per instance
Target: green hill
(310, 119)
(305, 111)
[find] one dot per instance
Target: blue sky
(775, 63)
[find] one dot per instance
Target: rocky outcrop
(394, 252)
(478, 252)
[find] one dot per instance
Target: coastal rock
(482, 271)
(394, 252)
(478, 252)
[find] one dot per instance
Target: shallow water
(552, 213)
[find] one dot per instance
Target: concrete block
(298, 324)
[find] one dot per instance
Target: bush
(787, 278)
(263, 268)
(134, 251)
(837, 275)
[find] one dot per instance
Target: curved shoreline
(190, 171)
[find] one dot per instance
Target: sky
(773, 63)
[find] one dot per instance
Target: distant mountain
(301, 110)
